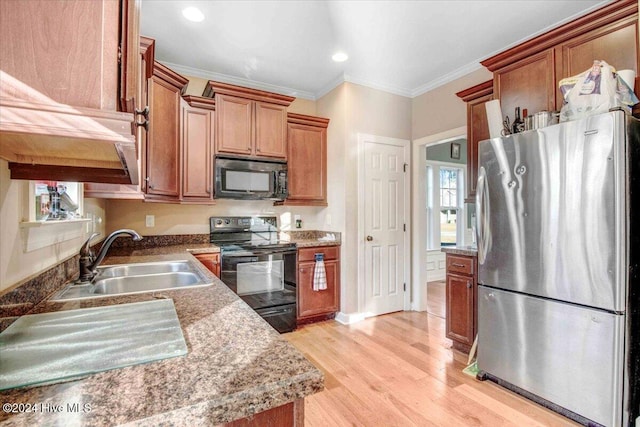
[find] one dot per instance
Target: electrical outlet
(327, 219)
(150, 221)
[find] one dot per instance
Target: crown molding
(225, 78)
(330, 86)
(454, 75)
(396, 90)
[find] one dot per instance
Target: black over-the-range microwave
(250, 179)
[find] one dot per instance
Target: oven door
(262, 279)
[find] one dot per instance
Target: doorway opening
(446, 213)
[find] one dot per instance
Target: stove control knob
(218, 222)
(227, 222)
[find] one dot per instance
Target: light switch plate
(150, 221)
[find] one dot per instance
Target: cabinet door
(307, 163)
(211, 261)
(528, 83)
(196, 153)
(270, 130)
(315, 303)
(616, 43)
(460, 304)
(234, 125)
(478, 131)
(163, 146)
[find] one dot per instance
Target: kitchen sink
(136, 278)
(143, 269)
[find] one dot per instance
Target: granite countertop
(236, 365)
(311, 238)
(461, 250)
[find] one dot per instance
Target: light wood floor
(436, 298)
(398, 370)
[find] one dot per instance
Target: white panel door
(384, 225)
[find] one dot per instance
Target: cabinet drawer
(309, 254)
(460, 264)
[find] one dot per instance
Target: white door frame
(419, 213)
(405, 143)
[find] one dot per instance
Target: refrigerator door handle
(482, 218)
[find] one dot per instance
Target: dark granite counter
(461, 250)
(236, 365)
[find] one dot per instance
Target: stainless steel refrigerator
(559, 277)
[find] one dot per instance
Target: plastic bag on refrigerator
(594, 91)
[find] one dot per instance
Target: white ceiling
(404, 47)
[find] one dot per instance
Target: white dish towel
(319, 274)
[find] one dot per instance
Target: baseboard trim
(348, 319)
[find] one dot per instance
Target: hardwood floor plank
(399, 370)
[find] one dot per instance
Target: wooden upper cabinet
(61, 114)
(130, 55)
(270, 130)
(234, 127)
(527, 75)
(197, 150)
(528, 83)
(249, 122)
(611, 43)
(477, 129)
(163, 160)
(307, 175)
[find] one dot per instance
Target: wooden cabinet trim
(214, 88)
(303, 119)
(147, 51)
(606, 15)
(169, 76)
(477, 91)
(200, 102)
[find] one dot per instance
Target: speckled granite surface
(309, 238)
(236, 365)
(461, 250)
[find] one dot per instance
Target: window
(448, 206)
(445, 209)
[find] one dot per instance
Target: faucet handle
(85, 250)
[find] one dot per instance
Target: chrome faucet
(88, 259)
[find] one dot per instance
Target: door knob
(369, 238)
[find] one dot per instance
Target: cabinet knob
(248, 148)
(148, 181)
(257, 149)
(468, 284)
(369, 238)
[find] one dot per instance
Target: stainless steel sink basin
(136, 278)
(145, 283)
(142, 269)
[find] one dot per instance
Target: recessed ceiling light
(340, 57)
(193, 14)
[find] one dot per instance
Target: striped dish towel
(319, 274)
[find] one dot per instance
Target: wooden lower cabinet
(287, 415)
(321, 304)
(211, 261)
(461, 301)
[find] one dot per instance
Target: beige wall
(17, 265)
(356, 109)
(440, 109)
